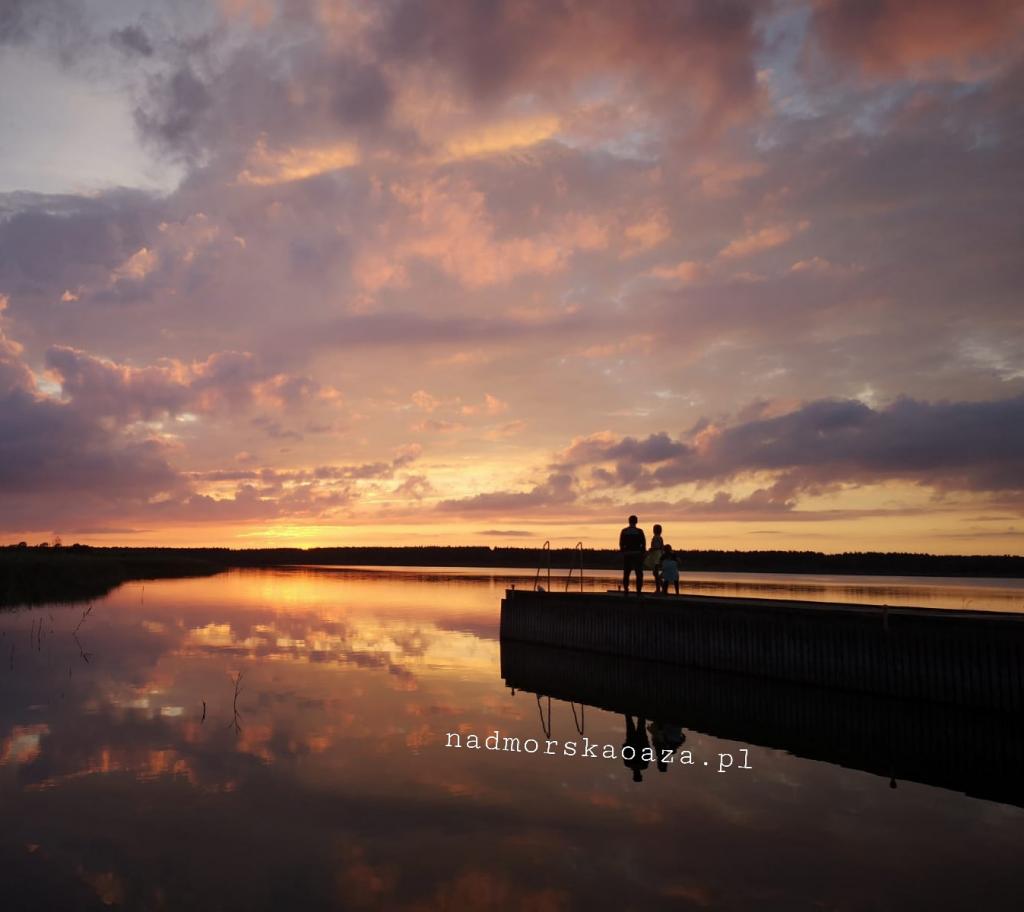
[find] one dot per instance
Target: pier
(959, 658)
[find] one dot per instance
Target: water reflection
(980, 754)
(128, 781)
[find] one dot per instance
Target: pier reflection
(975, 752)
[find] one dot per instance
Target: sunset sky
(499, 271)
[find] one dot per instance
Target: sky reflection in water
(334, 789)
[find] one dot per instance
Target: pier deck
(964, 658)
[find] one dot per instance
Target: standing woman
(652, 561)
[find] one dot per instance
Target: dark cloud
(52, 243)
(175, 108)
(224, 380)
(654, 448)
(49, 449)
(52, 450)
(558, 489)
(133, 40)
(702, 52)
(360, 93)
(106, 389)
(212, 103)
(976, 446)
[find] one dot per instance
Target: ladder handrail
(536, 580)
(568, 579)
(581, 722)
(540, 709)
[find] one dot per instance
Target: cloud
(656, 48)
(605, 447)
(762, 239)
(820, 266)
(503, 136)
(322, 473)
(414, 487)
(265, 167)
(491, 406)
(50, 449)
(132, 39)
(557, 490)
(223, 380)
(686, 271)
(137, 266)
(175, 110)
(955, 446)
(57, 458)
(452, 230)
(69, 240)
(15, 375)
(930, 37)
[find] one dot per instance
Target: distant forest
(854, 562)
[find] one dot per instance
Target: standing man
(633, 545)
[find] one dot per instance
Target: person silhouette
(665, 736)
(633, 545)
(636, 738)
(652, 560)
(669, 569)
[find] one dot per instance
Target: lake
(279, 739)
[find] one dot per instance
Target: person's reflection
(665, 736)
(636, 738)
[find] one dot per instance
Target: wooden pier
(961, 658)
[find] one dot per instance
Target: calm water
(323, 781)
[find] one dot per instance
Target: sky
(326, 272)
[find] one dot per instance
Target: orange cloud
(491, 405)
(265, 166)
(453, 230)
(763, 239)
(137, 266)
(502, 136)
(648, 233)
(687, 271)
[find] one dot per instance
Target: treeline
(873, 563)
(35, 575)
(169, 561)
